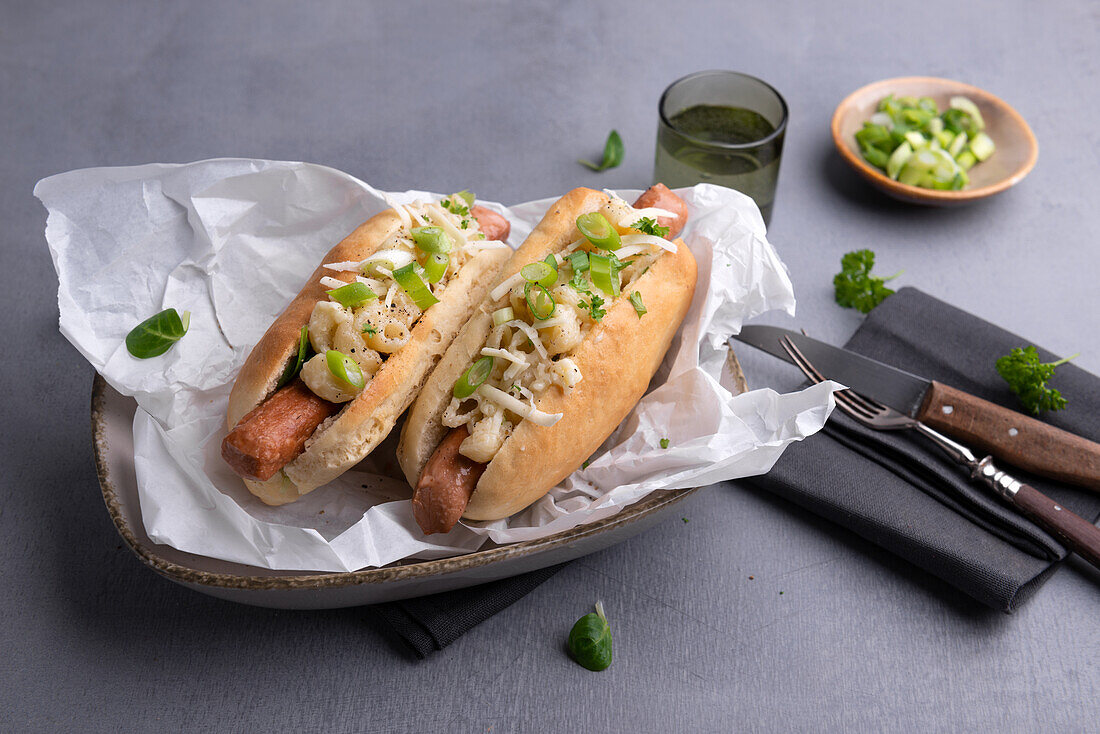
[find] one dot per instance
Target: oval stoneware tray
(112, 433)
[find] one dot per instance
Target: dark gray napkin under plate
(431, 623)
(900, 492)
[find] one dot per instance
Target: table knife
(1024, 442)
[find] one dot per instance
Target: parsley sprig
(647, 225)
(459, 204)
(856, 287)
(1027, 376)
(593, 304)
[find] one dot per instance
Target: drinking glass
(724, 128)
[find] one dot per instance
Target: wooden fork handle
(1024, 442)
(1078, 534)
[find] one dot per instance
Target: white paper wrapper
(232, 241)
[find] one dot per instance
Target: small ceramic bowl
(1017, 149)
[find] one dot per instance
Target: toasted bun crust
(346, 438)
(617, 359)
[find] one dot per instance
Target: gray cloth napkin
(899, 491)
(430, 623)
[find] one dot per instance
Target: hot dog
(532, 386)
(378, 312)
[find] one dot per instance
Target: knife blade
(1018, 439)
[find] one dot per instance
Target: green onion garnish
(598, 230)
(371, 267)
(436, 265)
(411, 282)
(473, 377)
(636, 302)
(553, 263)
(295, 366)
(353, 294)
(432, 239)
(579, 261)
(918, 145)
(539, 272)
(603, 274)
(543, 305)
(344, 368)
(503, 315)
(155, 335)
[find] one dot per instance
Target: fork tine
(865, 403)
(800, 360)
(846, 400)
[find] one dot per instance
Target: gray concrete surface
(831, 634)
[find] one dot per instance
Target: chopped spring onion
(473, 377)
(436, 266)
(915, 139)
(295, 366)
(883, 119)
(955, 147)
(933, 169)
(387, 259)
(604, 275)
(982, 146)
(352, 294)
(503, 315)
(411, 282)
(967, 106)
(540, 272)
(598, 230)
(432, 239)
(876, 157)
(636, 302)
(344, 368)
(552, 261)
(578, 261)
(897, 159)
(918, 145)
(542, 305)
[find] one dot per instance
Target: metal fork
(1076, 532)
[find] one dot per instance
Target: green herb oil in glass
(697, 147)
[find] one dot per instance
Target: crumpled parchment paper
(233, 240)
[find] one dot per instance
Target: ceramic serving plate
(112, 432)
(1017, 149)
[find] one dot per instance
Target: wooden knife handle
(1079, 535)
(1024, 442)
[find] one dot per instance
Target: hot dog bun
(617, 357)
(347, 437)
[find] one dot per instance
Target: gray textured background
(501, 99)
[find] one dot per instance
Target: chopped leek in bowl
(916, 144)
